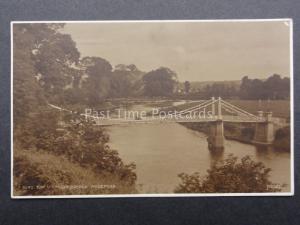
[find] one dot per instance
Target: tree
(160, 82)
(43, 66)
(278, 88)
(97, 83)
(274, 88)
(27, 93)
(229, 176)
(187, 87)
(54, 62)
(46, 69)
(53, 54)
(244, 88)
(256, 90)
(125, 81)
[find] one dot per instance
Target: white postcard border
(289, 22)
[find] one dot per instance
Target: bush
(86, 144)
(229, 176)
(30, 178)
(76, 140)
(37, 130)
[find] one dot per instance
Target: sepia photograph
(152, 108)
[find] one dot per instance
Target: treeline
(48, 68)
(49, 61)
(274, 88)
(97, 81)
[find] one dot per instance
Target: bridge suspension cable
(197, 107)
(241, 115)
(239, 110)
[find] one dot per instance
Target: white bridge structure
(214, 111)
(206, 111)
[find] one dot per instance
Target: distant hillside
(202, 84)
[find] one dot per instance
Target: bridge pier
(264, 131)
(216, 135)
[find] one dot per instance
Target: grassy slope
(66, 177)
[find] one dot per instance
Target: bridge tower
(264, 131)
(216, 132)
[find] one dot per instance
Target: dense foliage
(79, 142)
(229, 176)
(274, 88)
(48, 69)
(160, 82)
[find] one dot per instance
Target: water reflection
(264, 152)
(216, 156)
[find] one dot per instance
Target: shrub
(229, 176)
(75, 139)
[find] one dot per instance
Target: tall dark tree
(126, 81)
(55, 56)
(245, 86)
(27, 94)
(160, 82)
(187, 87)
(274, 87)
(52, 55)
(97, 81)
(43, 61)
(278, 88)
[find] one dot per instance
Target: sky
(196, 51)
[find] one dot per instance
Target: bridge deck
(151, 120)
(219, 108)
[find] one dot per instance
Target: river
(162, 151)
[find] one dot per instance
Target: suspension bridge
(205, 111)
(214, 111)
